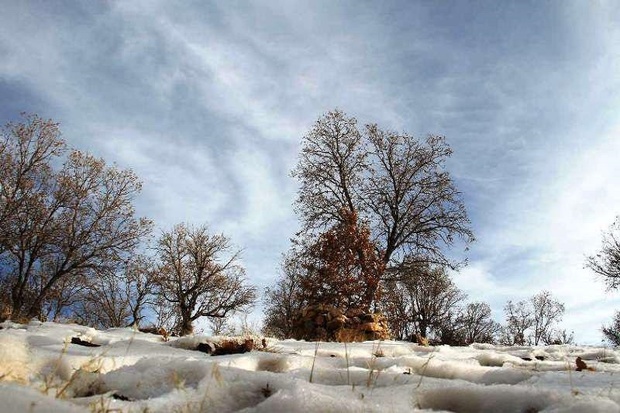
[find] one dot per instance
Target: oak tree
(394, 182)
(59, 225)
(199, 275)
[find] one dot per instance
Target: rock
(323, 322)
(232, 347)
(581, 365)
(208, 348)
(80, 342)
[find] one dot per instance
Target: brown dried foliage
(343, 268)
(59, 225)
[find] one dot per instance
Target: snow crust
(41, 371)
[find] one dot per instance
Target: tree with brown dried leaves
(199, 276)
(59, 225)
(343, 268)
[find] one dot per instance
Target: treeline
(72, 248)
(379, 215)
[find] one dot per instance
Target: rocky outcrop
(327, 323)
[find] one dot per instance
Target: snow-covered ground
(41, 371)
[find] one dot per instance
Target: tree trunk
(186, 326)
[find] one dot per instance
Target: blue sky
(207, 102)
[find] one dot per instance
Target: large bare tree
(59, 224)
(412, 202)
(395, 182)
(199, 275)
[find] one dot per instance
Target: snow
(42, 371)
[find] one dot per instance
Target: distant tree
(219, 326)
(476, 324)
(519, 319)
(546, 313)
(607, 262)
(119, 297)
(59, 227)
(425, 296)
(612, 331)
(558, 337)
(533, 321)
(199, 276)
(285, 300)
(394, 182)
(343, 268)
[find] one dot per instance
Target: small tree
(118, 298)
(532, 321)
(476, 324)
(546, 312)
(607, 262)
(518, 321)
(612, 331)
(425, 296)
(199, 276)
(284, 301)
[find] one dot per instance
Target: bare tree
(476, 324)
(425, 296)
(395, 183)
(532, 321)
(285, 300)
(59, 225)
(199, 276)
(63, 299)
(412, 202)
(519, 319)
(330, 170)
(546, 312)
(612, 332)
(118, 297)
(607, 262)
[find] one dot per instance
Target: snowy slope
(41, 371)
